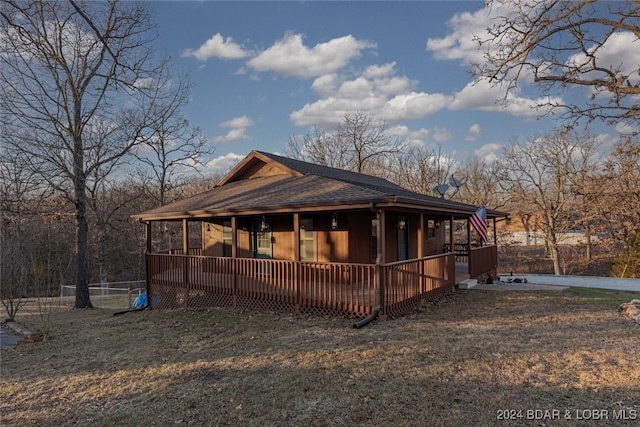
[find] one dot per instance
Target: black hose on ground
(367, 319)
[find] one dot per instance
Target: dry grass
(573, 260)
(454, 363)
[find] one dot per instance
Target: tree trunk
(555, 256)
(82, 229)
(82, 259)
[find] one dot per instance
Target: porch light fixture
(334, 221)
(402, 223)
(438, 223)
(263, 224)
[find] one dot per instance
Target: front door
(261, 245)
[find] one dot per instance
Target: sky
(265, 71)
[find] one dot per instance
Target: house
(284, 234)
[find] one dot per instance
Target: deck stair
(467, 283)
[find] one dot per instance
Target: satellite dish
(458, 179)
(441, 189)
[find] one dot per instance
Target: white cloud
(238, 130)
(289, 56)
(223, 164)
(232, 135)
(473, 133)
(414, 105)
(238, 122)
(217, 47)
(489, 152)
(325, 85)
(461, 43)
(377, 90)
(413, 138)
(619, 52)
(625, 128)
(481, 95)
(441, 134)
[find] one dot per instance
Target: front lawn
(473, 359)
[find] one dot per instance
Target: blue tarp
(141, 301)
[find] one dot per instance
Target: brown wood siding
(351, 242)
(414, 234)
(391, 237)
(212, 239)
(282, 237)
(359, 245)
(435, 245)
(244, 245)
(332, 245)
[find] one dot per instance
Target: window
(307, 240)
(431, 229)
(227, 239)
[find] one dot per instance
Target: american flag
(479, 223)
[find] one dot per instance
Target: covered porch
(371, 279)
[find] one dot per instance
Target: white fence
(113, 295)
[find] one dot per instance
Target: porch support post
(234, 237)
(451, 249)
(185, 251)
(147, 273)
(296, 237)
(234, 261)
(296, 259)
(469, 246)
(382, 238)
(495, 233)
(452, 268)
(185, 237)
(147, 232)
(421, 237)
(380, 259)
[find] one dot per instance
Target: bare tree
(359, 143)
(541, 173)
(562, 44)
(619, 185)
(421, 169)
(367, 140)
(483, 184)
(172, 148)
(33, 234)
(77, 86)
(320, 147)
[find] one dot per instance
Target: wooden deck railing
(483, 260)
(182, 280)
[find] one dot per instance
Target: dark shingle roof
(317, 187)
(306, 168)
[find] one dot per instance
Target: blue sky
(266, 70)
